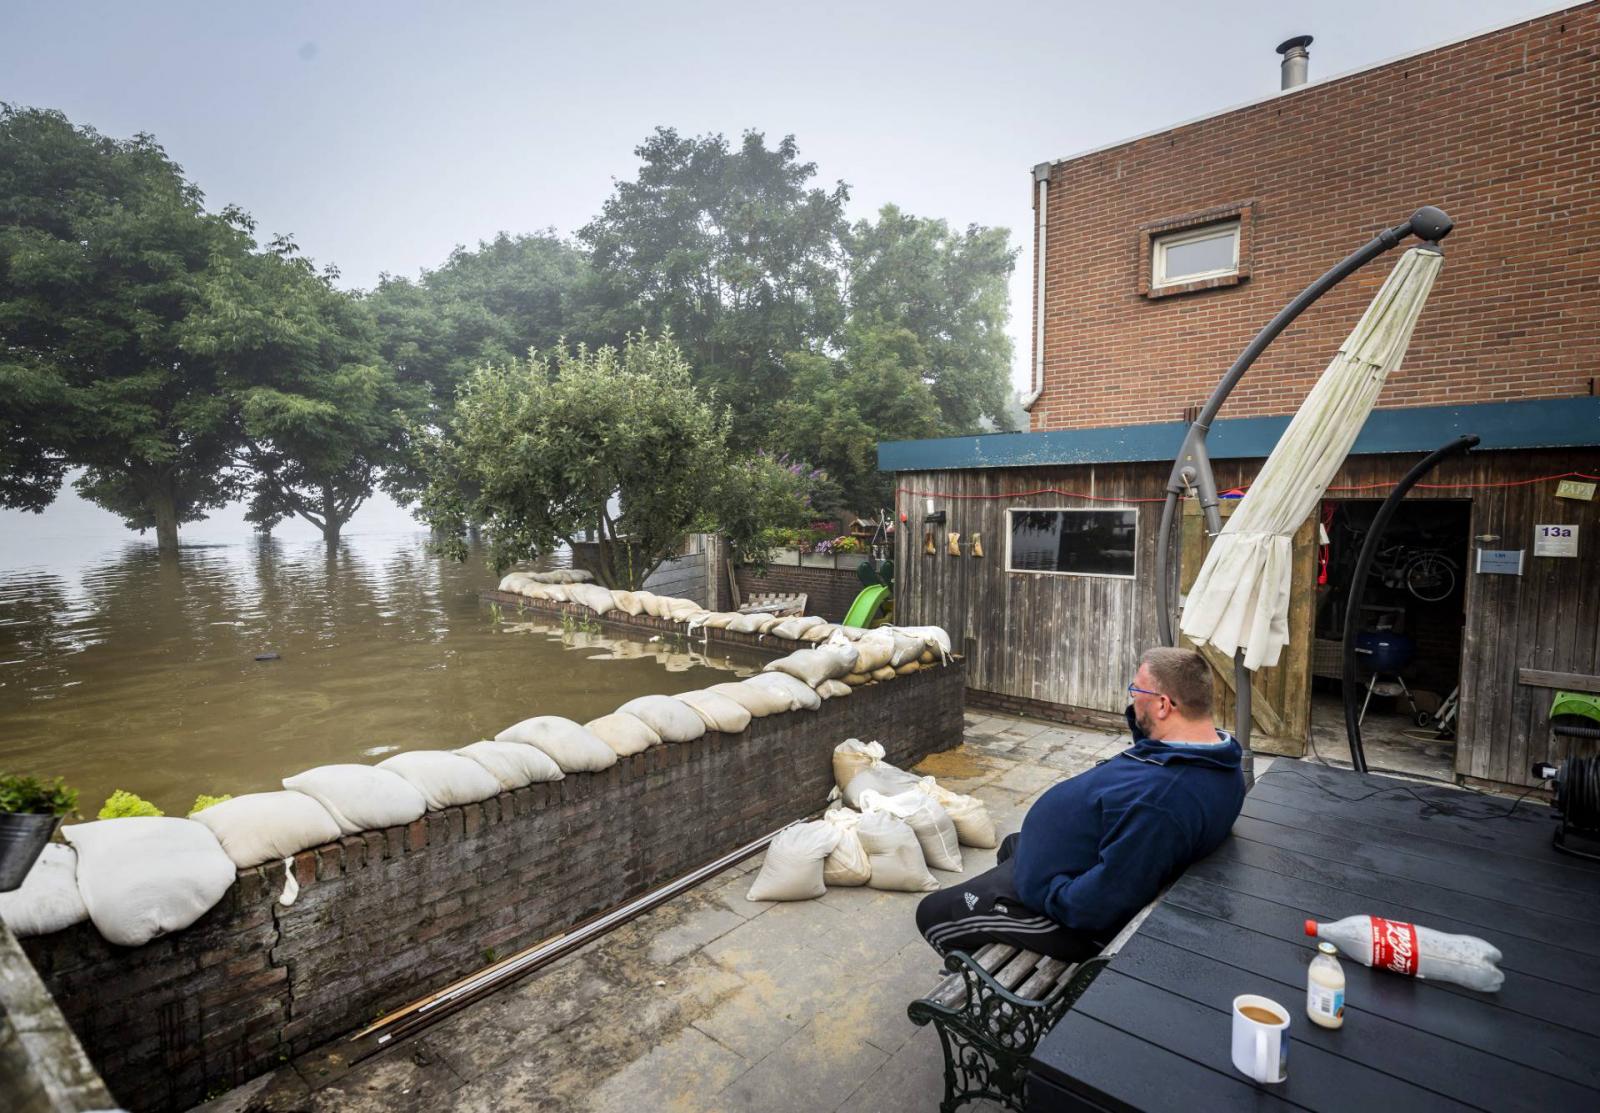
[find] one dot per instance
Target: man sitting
(1096, 848)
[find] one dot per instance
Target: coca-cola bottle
(1418, 951)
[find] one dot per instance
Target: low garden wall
(384, 917)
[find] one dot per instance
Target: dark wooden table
(1153, 1030)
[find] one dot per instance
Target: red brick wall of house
(1501, 131)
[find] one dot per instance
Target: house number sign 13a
(1555, 541)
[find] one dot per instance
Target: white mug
(1261, 1051)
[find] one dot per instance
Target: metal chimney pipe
(1296, 63)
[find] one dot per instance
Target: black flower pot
(23, 836)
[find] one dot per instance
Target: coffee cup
(1260, 1038)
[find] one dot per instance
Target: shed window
(1073, 542)
(1195, 254)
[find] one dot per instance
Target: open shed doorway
(1411, 621)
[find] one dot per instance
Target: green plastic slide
(867, 607)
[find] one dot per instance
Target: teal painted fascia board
(1544, 423)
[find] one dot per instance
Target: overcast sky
(382, 134)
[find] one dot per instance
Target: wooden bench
(994, 1007)
(775, 603)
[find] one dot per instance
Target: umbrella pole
(1358, 586)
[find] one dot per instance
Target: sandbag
(672, 719)
(848, 633)
(658, 606)
(268, 826)
(797, 692)
(855, 679)
(513, 764)
(627, 602)
(885, 673)
(445, 779)
(968, 813)
(792, 628)
(745, 623)
(894, 855)
(793, 866)
(813, 666)
(768, 623)
(819, 634)
(719, 712)
(852, 756)
(145, 876)
(941, 849)
(935, 636)
(556, 593)
(360, 797)
(569, 745)
(648, 601)
(625, 734)
(906, 649)
(908, 668)
(513, 581)
(828, 689)
(758, 699)
(880, 777)
(48, 899)
(685, 610)
(718, 620)
(848, 863)
(927, 657)
(873, 650)
(596, 598)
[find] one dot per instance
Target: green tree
(950, 292)
(104, 254)
(614, 445)
(733, 251)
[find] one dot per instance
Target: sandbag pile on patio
(897, 826)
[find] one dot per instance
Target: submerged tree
(104, 253)
(612, 446)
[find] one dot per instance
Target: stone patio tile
(729, 891)
(411, 1077)
(878, 1005)
(839, 929)
(675, 1076)
(911, 1081)
(709, 920)
(817, 1068)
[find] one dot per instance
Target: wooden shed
(1053, 614)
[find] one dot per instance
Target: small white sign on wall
(1555, 541)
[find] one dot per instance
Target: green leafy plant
(202, 802)
(122, 805)
(31, 796)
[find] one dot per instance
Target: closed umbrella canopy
(1241, 597)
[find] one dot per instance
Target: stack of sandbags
(445, 779)
(969, 814)
(146, 876)
(671, 719)
(572, 747)
(360, 797)
(596, 598)
(793, 869)
(514, 764)
(859, 767)
(847, 864)
(936, 834)
(813, 666)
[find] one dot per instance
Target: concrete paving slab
(815, 1069)
(913, 1079)
(673, 1077)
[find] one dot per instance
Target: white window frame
(1158, 253)
(1134, 510)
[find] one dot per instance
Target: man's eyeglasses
(1147, 692)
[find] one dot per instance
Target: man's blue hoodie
(1098, 847)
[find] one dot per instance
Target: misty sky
(382, 134)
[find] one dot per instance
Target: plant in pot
(30, 812)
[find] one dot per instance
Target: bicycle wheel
(1430, 577)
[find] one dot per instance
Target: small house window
(1195, 254)
(1073, 542)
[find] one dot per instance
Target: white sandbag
(933, 635)
(627, 602)
(576, 576)
(894, 854)
(513, 581)
(657, 606)
(906, 649)
(360, 797)
(941, 849)
(48, 899)
(625, 734)
(569, 745)
(873, 650)
(719, 712)
(793, 866)
(556, 593)
(880, 777)
(848, 633)
(768, 623)
(813, 666)
(145, 876)
(829, 689)
(268, 826)
(848, 863)
(746, 623)
(596, 598)
(852, 756)
(968, 813)
(818, 635)
(792, 628)
(444, 779)
(513, 764)
(799, 694)
(684, 610)
(720, 620)
(672, 719)
(758, 699)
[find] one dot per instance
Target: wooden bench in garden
(775, 603)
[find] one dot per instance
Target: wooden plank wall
(1076, 640)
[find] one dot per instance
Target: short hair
(1184, 676)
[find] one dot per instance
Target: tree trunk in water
(330, 533)
(163, 507)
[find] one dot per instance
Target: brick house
(1163, 255)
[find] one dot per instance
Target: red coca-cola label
(1394, 945)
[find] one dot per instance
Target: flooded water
(120, 670)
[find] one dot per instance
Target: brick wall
(386, 916)
(1501, 131)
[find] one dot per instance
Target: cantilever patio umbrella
(1240, 600)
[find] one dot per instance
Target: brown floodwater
(120, 670)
